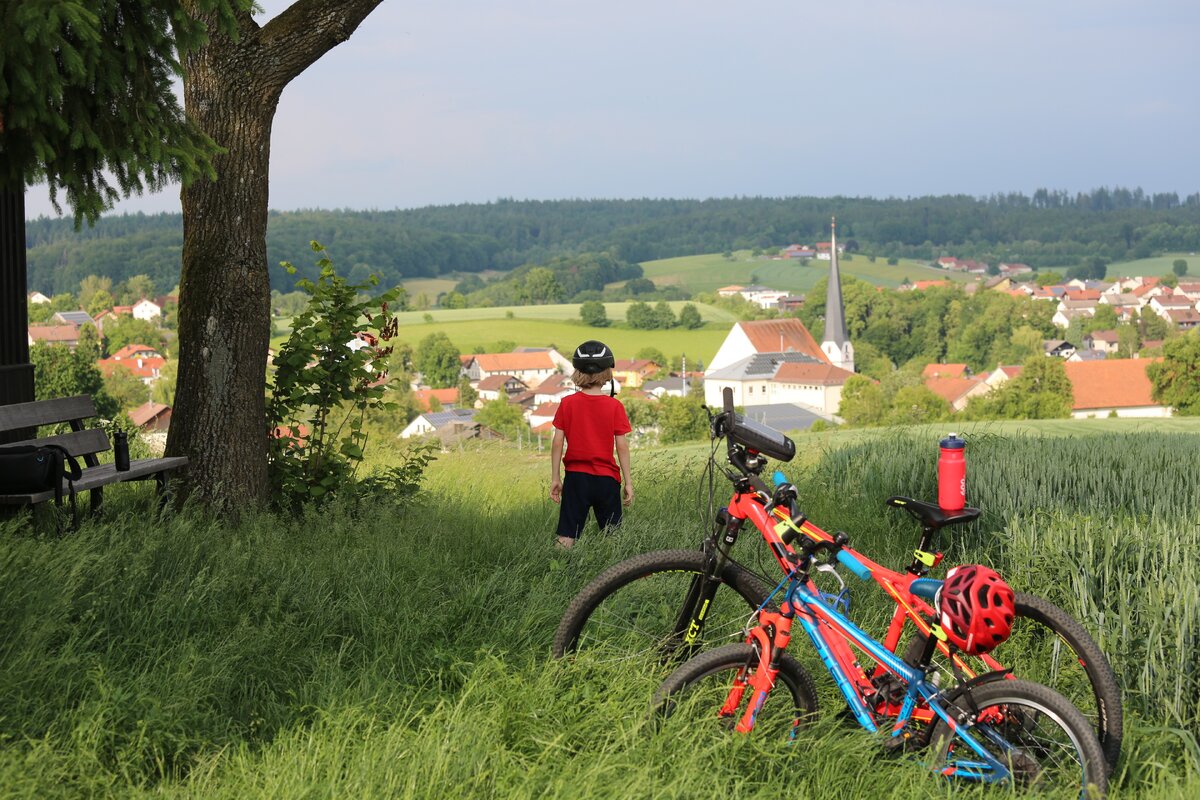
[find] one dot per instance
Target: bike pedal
(899, 745)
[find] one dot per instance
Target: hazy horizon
(467, 102)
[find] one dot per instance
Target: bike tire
(1055, 745)
(695, 691)
(640, 599)
(1083, 675)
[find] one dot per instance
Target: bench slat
(103, 475)
(77, 443)
(46, 412)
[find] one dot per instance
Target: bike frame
(748, 505)
(771, 638)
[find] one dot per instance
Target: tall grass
(383, 652)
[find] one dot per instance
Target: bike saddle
(930, 515)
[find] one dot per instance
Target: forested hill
(1047, 229)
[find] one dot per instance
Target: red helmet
(976, 607)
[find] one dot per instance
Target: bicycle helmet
(593, 357)
(976, 608)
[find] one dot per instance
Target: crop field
(403, 650)
(707, 273)
(1158, 266)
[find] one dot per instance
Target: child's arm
(556, 450)
(623, 458)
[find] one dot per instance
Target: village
(777, 371)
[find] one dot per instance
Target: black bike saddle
(930, 515)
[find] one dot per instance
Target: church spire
(836, 344)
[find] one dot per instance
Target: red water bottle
(952, 474)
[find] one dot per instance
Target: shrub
(331, 371)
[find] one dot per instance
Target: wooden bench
(83, 443)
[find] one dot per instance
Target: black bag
(30, 468)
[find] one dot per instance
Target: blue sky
(467, 101)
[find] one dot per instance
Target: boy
(592, 424)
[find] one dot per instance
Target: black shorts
(583, 492)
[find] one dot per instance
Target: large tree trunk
(231, 91)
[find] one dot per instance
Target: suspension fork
(770, 640)
(690, 622)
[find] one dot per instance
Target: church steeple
(836, 344)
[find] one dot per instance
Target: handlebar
(836, 547)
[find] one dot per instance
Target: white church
(776, 363)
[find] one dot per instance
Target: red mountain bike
(669, 603)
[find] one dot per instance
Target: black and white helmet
(593, 357)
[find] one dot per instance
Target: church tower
(836, 344)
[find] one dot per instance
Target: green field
(403, 650)
(1160, 265)
(707, 273)
(430, 287)
(557, 312)
(557, 325)
(468, 335)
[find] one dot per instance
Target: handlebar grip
(778, 477)
(851, 563)
(727, 399)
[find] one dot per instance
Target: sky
(435, 102)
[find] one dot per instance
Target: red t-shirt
(591, 423)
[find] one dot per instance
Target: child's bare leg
(564, 542)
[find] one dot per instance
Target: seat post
(928, 540)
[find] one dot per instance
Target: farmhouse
(957, 390)
(453, 421)
(633, 372)
(494, 387)
(54, 334)
(147, 310)
(798, 251)
(944, 371)
(151, 416)
(553, 389)
(530, 368)
(446, 398)
(1114, 385)
(1104, 341)
(76, 318)
(1059, 348)
(1001, 374)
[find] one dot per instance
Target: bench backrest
(73, 410)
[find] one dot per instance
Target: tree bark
(231, 90)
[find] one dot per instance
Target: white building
(147, 310)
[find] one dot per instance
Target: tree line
(1046, 229)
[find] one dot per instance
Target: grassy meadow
(558, 325)
(1158, 266)
(403, 651)
(707, 273)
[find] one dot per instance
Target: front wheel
(710, 693)
(1048, 646)
(654, 603)
(1046, 744)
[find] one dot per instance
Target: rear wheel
(1050, 647)
(645, 605)
(1046, 744)
(696, 697)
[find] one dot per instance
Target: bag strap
(70, 471)
(71, 468)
